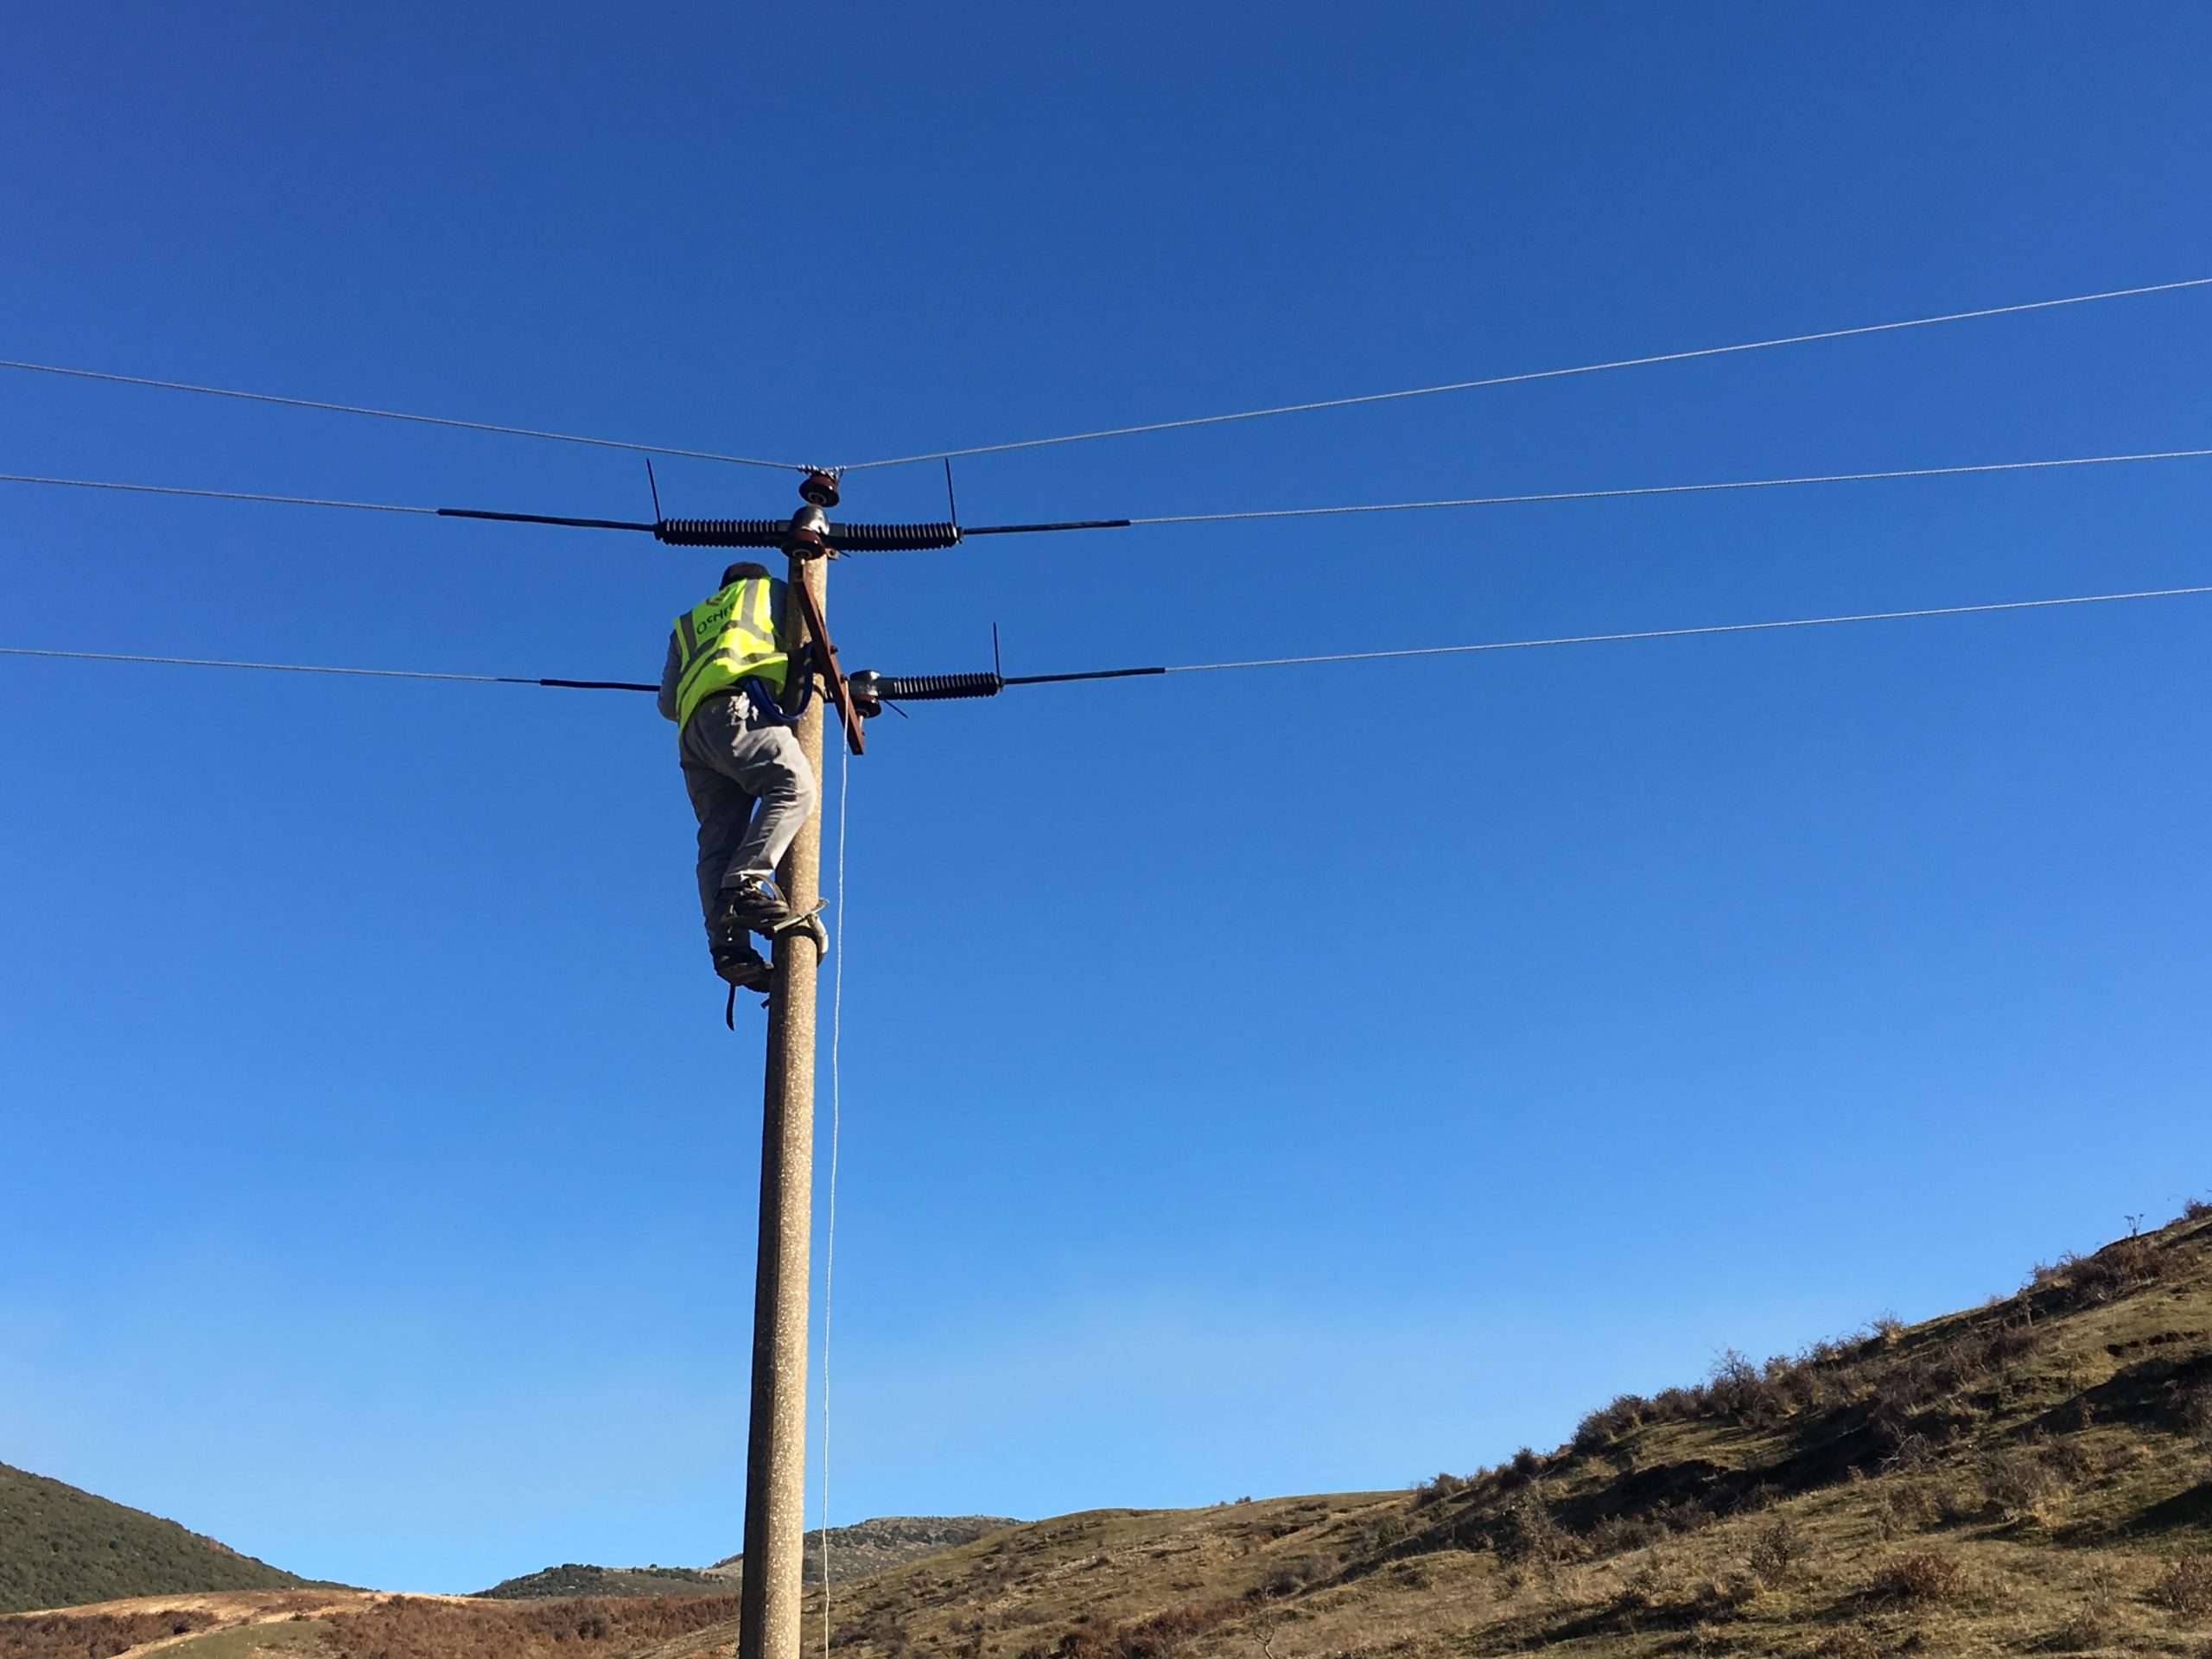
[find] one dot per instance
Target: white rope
(217, 495)
(385, 413)
(836, 1091)
(1539, 374)
(1675, 489)
(1680, 633)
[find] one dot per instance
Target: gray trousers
(750, 786)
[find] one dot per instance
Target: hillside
(60, 1546)
(855, 1552)
(573, 1578)
(868, 1548)
(2032, 1476)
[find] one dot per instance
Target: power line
(213, 495)
(1684, 633)
(1533, 374)
(392, 414)
(766, 532)
(325, 668)
(1986, 608)
(1673, 489)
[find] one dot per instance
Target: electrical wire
(1672, 489)
(325, 668)
(1685, 633)
(1620, 493)
(1533, 374)
(214, 495)
(391, 415)
(1986, 608)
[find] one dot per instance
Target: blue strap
(764, 700)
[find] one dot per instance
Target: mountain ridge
(62, 1546)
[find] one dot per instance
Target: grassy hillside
(2032, 1476)
(60, 1546)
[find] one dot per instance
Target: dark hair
(745, 570)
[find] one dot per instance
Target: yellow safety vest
(727, 638)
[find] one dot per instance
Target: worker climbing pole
(775, 1467)
(747, 690)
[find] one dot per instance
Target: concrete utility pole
(775, 1465)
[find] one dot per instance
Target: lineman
(749, 782)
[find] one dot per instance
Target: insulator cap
(819, 488)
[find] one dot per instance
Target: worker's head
(745, 570)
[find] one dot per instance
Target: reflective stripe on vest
(727, 638)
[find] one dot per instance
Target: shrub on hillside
(2018, 1481)
(1608, 1423)
(2185, 1585)
(1920, 1575)
(2197, 1209)
(1437, 1487)
(1778, 1549)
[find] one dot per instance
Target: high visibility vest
(727, 638)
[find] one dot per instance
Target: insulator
(721, 532)
(892, 538)
(927, 688)
(773, 532)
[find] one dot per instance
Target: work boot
(752, 904)
(739, 964)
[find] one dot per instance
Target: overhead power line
(1685, 633)
(1533, 374)
(325, 668)
(767, 532)
(211, 495)
(392, 414)
(1987, 608)
(1674, 489)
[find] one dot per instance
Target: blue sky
(1295, 1080)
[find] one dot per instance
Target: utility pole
(775, 1463)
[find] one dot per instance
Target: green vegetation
(62, 1547)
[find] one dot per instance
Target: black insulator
(721, 532)
(775, 533)
(890, 539)
(926, 688)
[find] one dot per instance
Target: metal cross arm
(770, 532)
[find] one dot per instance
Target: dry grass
(95, 1636)
(2031, 1476)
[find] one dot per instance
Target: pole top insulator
(819, 487)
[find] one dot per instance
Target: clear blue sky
(1287, 1081)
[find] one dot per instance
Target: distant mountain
(872, 1547)
(577, 1578)
(62, 1547)
(855, 1552)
